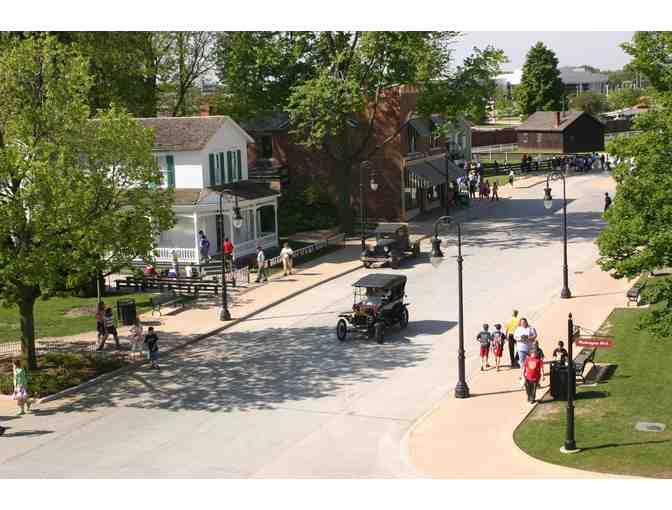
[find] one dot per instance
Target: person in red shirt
(533, 370)
(228, 252)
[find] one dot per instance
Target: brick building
(410, 169)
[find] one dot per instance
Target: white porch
(259, 228)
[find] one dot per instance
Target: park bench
(634, 293)
(167, 299)
(587, 355)
(189, 286)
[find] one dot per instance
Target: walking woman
(20, 387)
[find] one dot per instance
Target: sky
(597, 48)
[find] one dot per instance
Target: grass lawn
(62, 316)
(58, 371)
(606, 414)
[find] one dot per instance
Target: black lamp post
(548, 203)
(447, 160)
(365, 167)
(461, 388)
(570, 442)
(224, 314)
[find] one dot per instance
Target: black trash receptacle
(559, 374)
(126, 311)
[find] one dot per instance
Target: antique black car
(393, 244)
(378, 304)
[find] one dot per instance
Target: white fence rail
(509, 147)
(301, 252)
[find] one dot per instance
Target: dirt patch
(81, 311)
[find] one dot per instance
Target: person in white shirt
(261, 265)
(525, 335)
(286, 254)
(189, 270)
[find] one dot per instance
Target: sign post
(595, 341)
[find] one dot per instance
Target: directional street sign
(594, 341)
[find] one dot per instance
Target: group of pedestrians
(525, 353)
(475, 183)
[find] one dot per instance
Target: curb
(136, 364)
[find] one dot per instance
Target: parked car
(393, 244)
(378, 304)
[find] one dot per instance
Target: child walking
(136, 336)
(20, 387)
(533, 370)
(498, 341)
(484, 338)
(152, 342)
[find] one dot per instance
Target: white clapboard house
(201, 157)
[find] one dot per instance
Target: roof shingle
(546, 121)
(183, 133)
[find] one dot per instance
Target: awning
(427, 173)
(422, 126)
(454, 171)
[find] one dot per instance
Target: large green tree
(652, 55)
(72, 189)
(589, 102)
(624, 98)
(541, 88)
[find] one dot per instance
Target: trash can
(559, 374)
(126, 311)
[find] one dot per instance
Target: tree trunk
(28, 295)
(344, 206)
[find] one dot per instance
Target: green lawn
(62, 316)
(606, 414)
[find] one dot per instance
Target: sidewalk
(480, 443)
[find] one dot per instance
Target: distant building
(625, 113)
(579, 79)
(561, 132)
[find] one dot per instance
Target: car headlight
(387, 249)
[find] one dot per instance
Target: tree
(624, 98)
(257, 70)
(71, 189)
(638, 236)
(652, 56)
(183, 58)
(590, 102)
(541, 88)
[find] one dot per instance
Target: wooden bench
(165, 298)
(634, 293)
(587, 355)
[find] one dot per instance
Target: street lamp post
(365, 167)
(447, 160)
(570, 442)
(461, 388)
(548, 203)
(224, 314)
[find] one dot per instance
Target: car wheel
(379, 332)
(403, 318)
(341, 329)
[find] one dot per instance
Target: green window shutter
(222, 172)
(211, 159)
(170, 171)
(229, 165)
(239, 162)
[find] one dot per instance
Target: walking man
(533, 371)
(286, 254)
(152, 342)
(511, 176)
(495, 188)
(511, 326)
(607, 202)
(261, 265)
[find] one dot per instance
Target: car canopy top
(380, 281)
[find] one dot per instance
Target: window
(524, 137)
(170, 171)
(265, 147)
(412, 140)
(239, 165)
(540, 138)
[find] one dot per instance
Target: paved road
(279, 396)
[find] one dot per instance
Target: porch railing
(184, 254)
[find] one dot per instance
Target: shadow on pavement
(256, 370)
(617, 445)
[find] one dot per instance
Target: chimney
(205, 110)
(557, 119)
